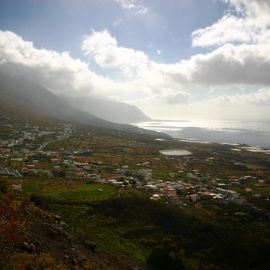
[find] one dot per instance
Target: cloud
(133, 5)
(250, 106)
(104, 49)
(260, 97)
(177, 98)
(238, 58)
(247, 21)
(117, 22)
(59, 72)
(230, 64)
(227, 65)
(240, 43)
(218, 34)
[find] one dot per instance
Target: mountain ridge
(25, 98)
(110, 110)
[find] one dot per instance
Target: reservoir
(175, 152)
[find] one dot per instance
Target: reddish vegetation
(31, 238)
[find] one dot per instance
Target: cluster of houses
(186, 186)
(26, 140)
(190, 189)
(9, 172)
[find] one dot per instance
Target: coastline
(251, 134)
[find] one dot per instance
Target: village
(130, 193)
(182, 181)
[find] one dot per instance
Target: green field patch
(70, 190)
(105, 231)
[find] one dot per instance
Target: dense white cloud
(58, 72)
(242, 47)
(61, 73)
(106, 52)
(247, 22)
(227, 29)
(231, 64)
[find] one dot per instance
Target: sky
(174, 59)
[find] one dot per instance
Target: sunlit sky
(173, 59)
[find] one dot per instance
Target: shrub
(3, 186)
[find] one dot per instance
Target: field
(69, 190)
(129, 223)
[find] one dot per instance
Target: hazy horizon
(254, 133)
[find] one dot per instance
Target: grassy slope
(136, 226)
(70, 190)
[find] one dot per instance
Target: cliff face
(109, 110)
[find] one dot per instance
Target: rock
(54, 232)
(63, 224)
(68, 236)
(29, 247)
(57, 218)
(74, 261)
(82, 258)
(90, 245)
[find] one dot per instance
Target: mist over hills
(109, 110)
(24, 98)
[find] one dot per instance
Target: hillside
(109, 110)
(137, 208)
(25, 99)
(42, 240)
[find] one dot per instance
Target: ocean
(253, 133)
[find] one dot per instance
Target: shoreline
(256, 136)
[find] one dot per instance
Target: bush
(3, 186)
(161, 259)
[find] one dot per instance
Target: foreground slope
(36, 239)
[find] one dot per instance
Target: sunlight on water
(248, 132)
(175, 152)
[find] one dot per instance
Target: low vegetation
(88, 198)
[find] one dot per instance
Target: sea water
(253, 133)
